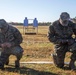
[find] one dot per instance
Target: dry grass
(36, 48)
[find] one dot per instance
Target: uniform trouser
(61, 50)
(17, 51)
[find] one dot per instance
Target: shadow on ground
(66, 68)
(28, 71)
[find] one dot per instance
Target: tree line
(40, 23)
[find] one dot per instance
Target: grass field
(36, 48)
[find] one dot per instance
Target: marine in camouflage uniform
(10, 40)
(60, 33)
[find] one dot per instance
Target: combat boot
(1, 66)
(7, 62)
(17, 64)
(72, 65)
(54, 56)
(56, 62)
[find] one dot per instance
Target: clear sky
(43, 10)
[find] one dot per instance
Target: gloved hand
(71, 41)
(64, 41)
(6, 45)
(3, 45)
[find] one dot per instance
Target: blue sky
(43, 10)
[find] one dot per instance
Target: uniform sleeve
(52, 36)
(18, 38)
(74, 28)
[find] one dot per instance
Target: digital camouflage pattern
(12, 35)
(61, 36)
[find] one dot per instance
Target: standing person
(10, 40)
(60, 33)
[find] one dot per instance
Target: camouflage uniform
(57, 34)
(13, 36)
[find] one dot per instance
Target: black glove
(71, 41)
(64, 41)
